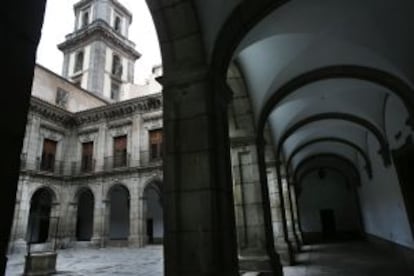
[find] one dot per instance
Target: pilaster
(290, 222)
(282, 244)
(249, 209)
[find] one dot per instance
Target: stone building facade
(91, 168)
(330, 120)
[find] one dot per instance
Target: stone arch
(338, 200)
(368, 165)
(42, 208)
(118, 212)
(176, 50)
(385, 79)
(330, 167)
(242, 19)
(384, 151)
(85, 205)
(311, 158)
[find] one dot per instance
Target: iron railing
(90, 166)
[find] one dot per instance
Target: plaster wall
(331, 192)
(382, 205)
(46, 84)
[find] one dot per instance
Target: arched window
(116, 66)
(78, 62)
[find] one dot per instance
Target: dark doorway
(39, 216)
(328, 224)
(404, 160)
(84, 222)
(154, 215)
(150, 230)
(119, 213)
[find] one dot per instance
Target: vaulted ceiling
(340, 69)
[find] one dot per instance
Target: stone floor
(342, 259)
(103, 262)
(349, 259)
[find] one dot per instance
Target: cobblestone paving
(146, 261)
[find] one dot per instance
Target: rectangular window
(115, 90)
(117, 23)
(120, 151)
(87, 157)
(85, 18)
(117, 66)
(48, 155)
(78, 62)
(155, 140)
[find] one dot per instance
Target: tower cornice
(115, 3)
(99, 29)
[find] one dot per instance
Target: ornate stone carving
(109, 112)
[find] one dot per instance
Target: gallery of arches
(271, 137)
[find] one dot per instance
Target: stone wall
(66, 180)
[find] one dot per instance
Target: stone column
(21, 219)
(290, 222)
(249, 210)
(69, 227)
(200, 237)
(98, 218)
(105, 222)
(134, 202)
(55, 223)
(142, 222)
(282, 244)
(101, 147)
(295, 212)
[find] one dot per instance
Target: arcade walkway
(351, 258)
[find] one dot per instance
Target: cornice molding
(51, 112)
(102, 113)
(99, 30)
(119, 110)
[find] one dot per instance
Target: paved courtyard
(349, 259)
(342, 259)
(146, 261)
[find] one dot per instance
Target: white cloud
(59, 21)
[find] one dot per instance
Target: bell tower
(98, 56)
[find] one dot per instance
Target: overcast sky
(59, 21)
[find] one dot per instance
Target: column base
(254, 263)
(97, 242)
(294, 242)
(299, 235)
(18, 247)
(259, 263)
(3, 264)
(136, 241)
(284, 249)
